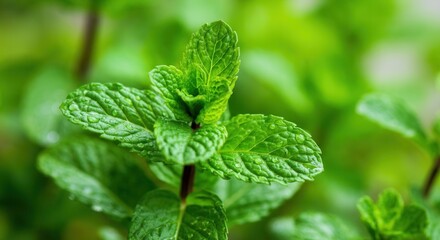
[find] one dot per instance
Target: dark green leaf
(393, 114)
(246, 202)
(96, 173)
(118, 113)
(183, 145)
(161, 215)
(266, 149)
(210, 66)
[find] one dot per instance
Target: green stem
(89, 38)
(429, 183)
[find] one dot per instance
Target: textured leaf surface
(266, 149)
(313, 226)
(118, 113)
(210, 65)
(96, 173)
(161, 216)
(246, 202)
(166, 81)
(394, 115)
(181, 144)
(390, 219)
(40, 115)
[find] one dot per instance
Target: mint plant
(180, 126)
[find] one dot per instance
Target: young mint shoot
(179, 122)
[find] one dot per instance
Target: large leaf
(246, 202)
(161, 215)
(118, 113)
(266, 149)
(312, 226)
(166, 82)
(40, 115)
(394, 115)
(96, 173)
(390, 219)
(210, 65)
(183, 145)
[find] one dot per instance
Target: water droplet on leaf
(92, 119)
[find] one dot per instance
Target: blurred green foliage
(308, 61)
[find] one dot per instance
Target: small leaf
(161, 215)
(96, 173)
(181, 144)
(41, 118)
(394, 115)
(313, 226)
(166, 82)
(210, 66)
(118, 113)
(246, 202)
(390, 219)
(266, 149)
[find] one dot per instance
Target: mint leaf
(40, 116)
(96, 173)
(118, 113)
(313, 226)
(245, 202)
(210, 66)
(394, 115)
(266, 149)
(161, 215)
(389, 218)
(181, 144)
(166, 81)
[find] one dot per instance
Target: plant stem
(429, 183)
(187, 182)
(89, 37)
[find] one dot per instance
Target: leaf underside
(96, 173)
(266, 149)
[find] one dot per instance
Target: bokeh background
(309, 61)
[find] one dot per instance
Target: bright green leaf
(313, 226)
(181, 144)
(210, 66)
(246, 202)
(393, 114)
(118, 113)
(161, 215)
(96, 173)
(165, 82)
(41, 118)
(266, 149)
(390, 219)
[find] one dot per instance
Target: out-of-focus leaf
(390, 219)
(161, 215)
(246, 202)
(109, 233)
(181, 144)
(96, 173)
(266, 149)
(40, 115)
(313, 226)
(393, 114)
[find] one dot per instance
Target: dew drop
(92, 119)
(300, 138)
(272, 126)
(73, 107)
(115, 113)
(128, 100)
